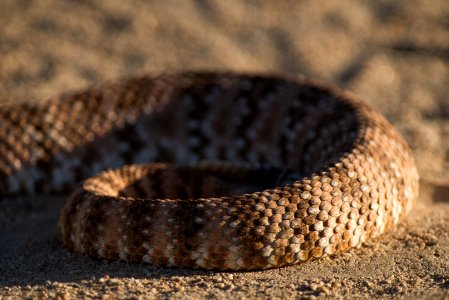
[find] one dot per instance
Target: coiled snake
(223, 170)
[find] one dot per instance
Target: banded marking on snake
(210, 170)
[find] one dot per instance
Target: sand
(394, 54)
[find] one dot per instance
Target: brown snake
(242, 171)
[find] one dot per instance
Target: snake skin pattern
(223, 171)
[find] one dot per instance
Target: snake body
(222, 170)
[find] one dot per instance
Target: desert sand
(393, 54)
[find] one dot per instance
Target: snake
(210, 170)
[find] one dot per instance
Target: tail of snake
(222, 171)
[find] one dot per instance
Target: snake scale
(210, 170)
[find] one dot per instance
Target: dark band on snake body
(224, 171)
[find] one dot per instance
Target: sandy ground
(395, 54)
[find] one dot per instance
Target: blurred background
(394, 54)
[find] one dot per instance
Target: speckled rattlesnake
(248, 172)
